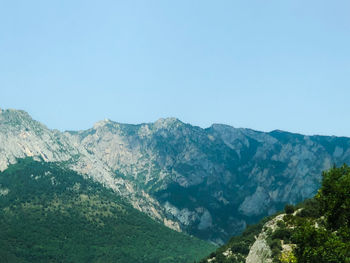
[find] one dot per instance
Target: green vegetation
(320, 229)
(239, 245)
(281, 234)
(317, 229)
(322, 232)
(289, 209)
(52, 214)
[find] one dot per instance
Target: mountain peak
(167, 122)
(15, 117)
(102, 123)
(15, 112)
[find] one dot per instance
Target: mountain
(316, 230)
(214, 181)
(209, 182)
(53, 214)
(21, 137)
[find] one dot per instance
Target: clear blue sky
(257, 64)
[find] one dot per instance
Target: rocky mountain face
(214, 181)
(21, 136)
(208, 182)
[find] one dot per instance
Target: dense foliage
(323, 230)
(52, 214)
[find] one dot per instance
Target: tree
(334, 197)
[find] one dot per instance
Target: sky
(260, 64)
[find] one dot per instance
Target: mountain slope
(52, 214)
(21, 137)
(209, 182)
(214, 181)
(317, 230)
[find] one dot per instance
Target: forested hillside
(52, 214)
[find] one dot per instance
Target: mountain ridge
(21, 137)
(207, 182)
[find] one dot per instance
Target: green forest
(51, 214)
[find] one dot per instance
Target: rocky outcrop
(260, 252)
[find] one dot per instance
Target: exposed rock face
(208, 182)
(21, 136)
(222, 176)
(260, 252)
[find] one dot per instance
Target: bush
(281, 224)
(282, 233)
(274, 243)
(240, 247)
(310, 208)
(289, 209)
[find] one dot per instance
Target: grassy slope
(51, 214)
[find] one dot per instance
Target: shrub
(274, 243)
(310, 208)
(282, 233)
(281, 224)
(240, 247)
(289, 209)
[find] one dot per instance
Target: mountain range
(209, 183)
